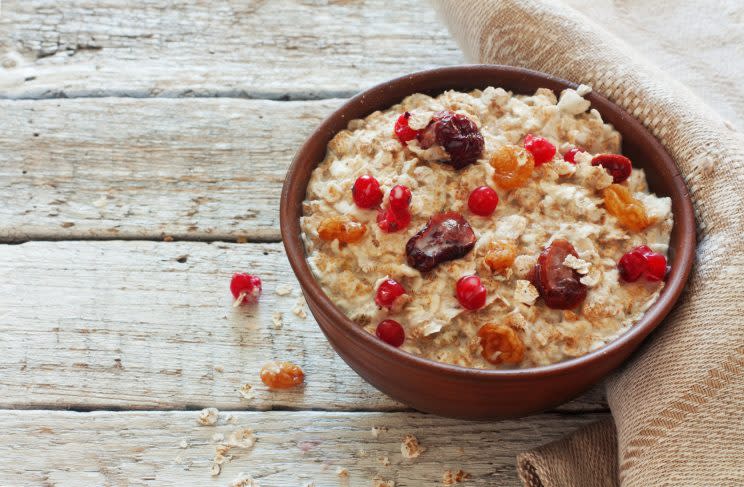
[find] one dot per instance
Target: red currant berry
(390, 220)
(483, 201)
(644, 250)
(391, 332)
(619, 167)
(403, 131)
(470, 292)
(366, 192)
(245, 288)
(656, 267)
(540, 148)
(388, 292)
(631, 266)
(570, 156)
(400, 197)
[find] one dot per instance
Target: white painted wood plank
(140, 169)
(293, 448)
(261, 49)
(149, 325)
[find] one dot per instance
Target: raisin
(629, 211)
(500, 344)
(500, 255)
(619, 167)
(446, 236)
(281, 375)
(457, 134)
(343, 229)
(508, 172)
(558, 285)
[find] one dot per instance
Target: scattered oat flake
(232, 419)
(384, 461)
(383, 483)
(244, 480)
(299, 308)
(246, 391)
(183, 444)
(410, 447)
(283, 290)
(451, 478)
(208, 416)
(217, 437)
(342, 472)
(241, 438)
(276, 318)
(376, 430)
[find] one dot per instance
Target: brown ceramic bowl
(451, 390)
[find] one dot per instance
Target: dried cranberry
(245, 288)
(570, 156)
(400, 197)
(457, 134)
(540, 148)
(483, 201)
(366, 192)
(618, 166)
(557, 284)
(387, 292)
(391, 332)
(470, 292)
(446, 236)
(391, 220)
(402, 130)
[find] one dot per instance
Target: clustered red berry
(459, 136)
(397, 215)
(366, 192)
(642, 261)
(470, 292)
(245, 288)
(540, 148)
(483, 200)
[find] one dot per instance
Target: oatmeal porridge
(486, 229)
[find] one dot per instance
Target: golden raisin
(344, 229)
(501, 344)
(629, 211)
(508, 173)
(500, 255)
(281, 375)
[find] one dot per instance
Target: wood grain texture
(289, 49)
(149, 325)
(293, 448)
(141, 169)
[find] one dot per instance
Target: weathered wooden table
(142, 150)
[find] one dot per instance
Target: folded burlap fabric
(678, 405)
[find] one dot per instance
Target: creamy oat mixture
(560, 200)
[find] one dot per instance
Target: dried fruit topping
(391, 332)
(512, 167)
(642, 261)
(366, 192)
(403, 131)
(470, 292)
(457, 134)
(619, 167)
(540, 148)
(500, 255)
(558, 284)
(245, 288)
(400, 197)
(501, 344)
(390, 220)
(343, 229)
(629, 211)
(446, 236)
(570, 156)
(387, 292)
(281, 375)
(483, 201)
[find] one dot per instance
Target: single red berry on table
(540, 148)
(570, 156)
(387, 292)
(366, 192)
(483, 201)
(391, 220)
(245, 288)
(400, 197)
(403, 131)
(618, 166)
(471, 293)
(391, 332)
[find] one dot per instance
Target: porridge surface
(560, 201)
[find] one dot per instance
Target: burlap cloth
(678, 405)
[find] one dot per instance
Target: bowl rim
(654, 315)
